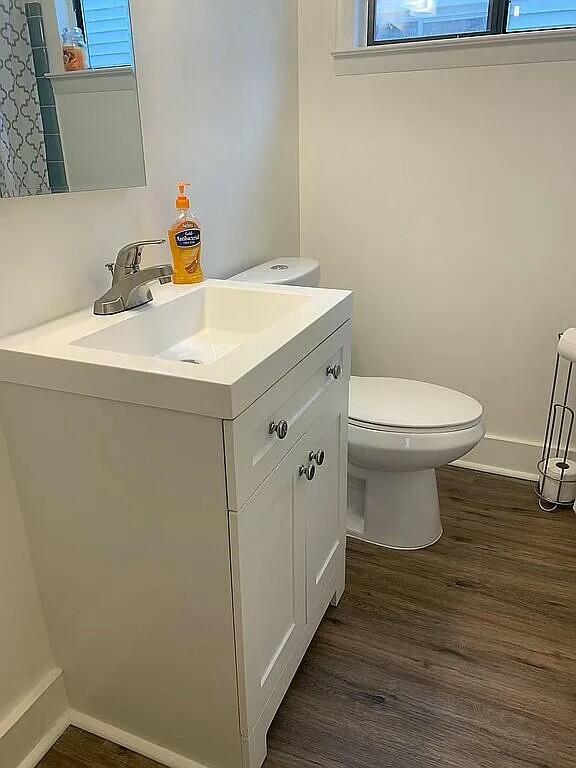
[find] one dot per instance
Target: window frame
(79, 13)
(498, 11)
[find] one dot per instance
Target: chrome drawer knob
(334, 370)
(280, 428)
(318, 457)
(309, 472)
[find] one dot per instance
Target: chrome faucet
(130, 283)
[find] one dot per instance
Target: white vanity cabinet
(288, 538)
(287, 545)
(187, 532)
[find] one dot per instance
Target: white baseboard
(134, 743)
(32, 727)
(46, 742)
(29, 732)
(504, 456)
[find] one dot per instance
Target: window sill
(488, 51)
(93, 80)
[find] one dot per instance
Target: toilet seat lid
(411, 405)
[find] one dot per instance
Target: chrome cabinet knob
(317, 456)
(280, 428)
(309, 472)
(334, 370)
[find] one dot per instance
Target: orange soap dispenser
(185, 237)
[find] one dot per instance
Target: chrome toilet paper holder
(556, 485)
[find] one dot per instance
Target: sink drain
(191, 361)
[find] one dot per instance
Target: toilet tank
(291, 271)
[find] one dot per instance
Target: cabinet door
(268, 568)
(323, 501)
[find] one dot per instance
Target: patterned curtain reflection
(23, 169)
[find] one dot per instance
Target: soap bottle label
(186, 245)
(188, 238)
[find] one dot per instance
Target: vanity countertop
(250, 336)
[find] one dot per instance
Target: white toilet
(399, 432)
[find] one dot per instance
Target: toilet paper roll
(558, 484)
(567, 345)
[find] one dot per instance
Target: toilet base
(400, 509)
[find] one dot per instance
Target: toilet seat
(410, 430)
(405, 406)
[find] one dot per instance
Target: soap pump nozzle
(183, 201)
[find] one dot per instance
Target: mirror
(69, 111)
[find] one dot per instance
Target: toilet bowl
(399, 432)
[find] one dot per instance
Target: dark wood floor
(459, 656)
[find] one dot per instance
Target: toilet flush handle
(334, 370)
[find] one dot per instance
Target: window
(392, 21)
(106, 25)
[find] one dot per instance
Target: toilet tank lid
(279, 271)
(407, 404)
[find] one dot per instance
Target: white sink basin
(201, 327)
(209, 349)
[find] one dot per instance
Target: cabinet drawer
(253, 448)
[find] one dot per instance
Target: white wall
(445, 199)
(33, 700)
(24, 649)
(221, 114)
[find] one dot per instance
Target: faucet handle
(111, 268)
(130, 255)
